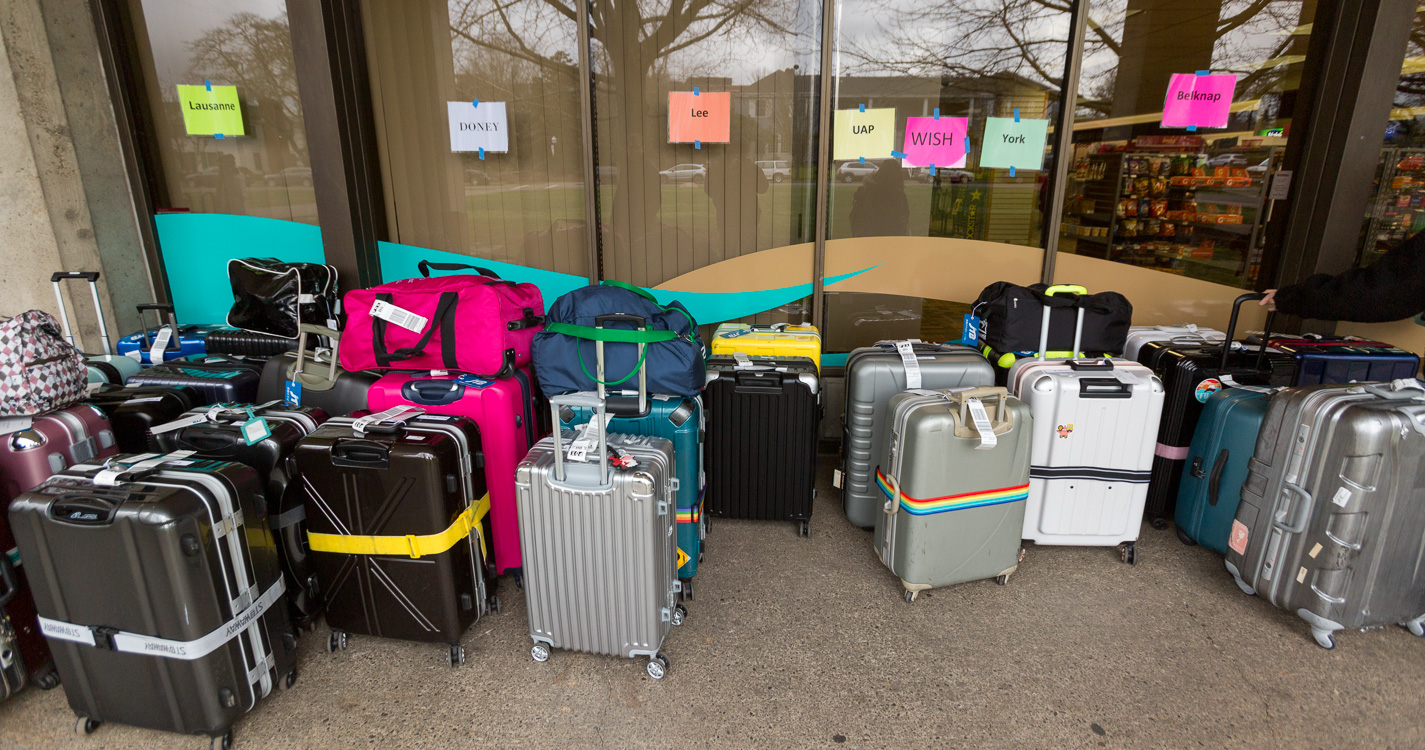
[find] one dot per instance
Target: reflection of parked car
(684, 173)
(854, 170)
(883, 314)
(291, 176)
(1257, 170)
(208, 178)
(945, 175)
(776, 171)
(1227, 160)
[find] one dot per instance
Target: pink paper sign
(1198, 101)
(939, 142)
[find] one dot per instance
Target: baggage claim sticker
(1207, 388)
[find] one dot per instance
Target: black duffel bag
(270, 296)
(1011, 317)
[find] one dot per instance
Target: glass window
(1397, 206)
(1181, 200)
(935, 238)
(247, 44)
(523, 204)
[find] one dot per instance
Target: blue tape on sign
(863, 160)
(475, 103)
(697, 144)
(863, 107)
(932, 170)
(1011, 171)
(1192, 128)
(937, 113)
(482, 152)
(1204, 72)
(207, 84)
(898, 154)
(1016, 115)
(695, 91)
(219, 136)
(967, 144)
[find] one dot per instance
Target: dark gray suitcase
(873, 375)
(12, 668)
(159, 590)
(316, 379)
(1330, 525)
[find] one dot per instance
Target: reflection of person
(879, 208)
(230, 187)
(1392, 288)
(733, 184)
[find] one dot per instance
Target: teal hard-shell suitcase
(1211, 486)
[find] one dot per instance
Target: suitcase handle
(7, 576)
(1097, 365)
(437, 392)
(1214, 480)
(159, 307)
(93, 279)
(620, 406)
(1399, 390)
(359, 453)
(580, 399)
(983, 393)
(1104, 388)
(1301, 509)
(1231, 332)
(1044, 325)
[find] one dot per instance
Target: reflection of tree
(255, 53)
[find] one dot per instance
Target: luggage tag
(981, 418)
(292, 393)
(588, 439)
(470, 381)
(15, 424)
(160, 344)
(398, 315)
(740, 332)
(255, 429)
(970, 332)
(912, 365)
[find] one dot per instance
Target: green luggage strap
(611, 334)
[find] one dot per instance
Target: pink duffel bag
(477, 324)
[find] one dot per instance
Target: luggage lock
(104, 637)
(1196, 469)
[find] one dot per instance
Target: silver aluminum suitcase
(600, 550)
(953, 497)
(873, 375)
(1331, 526)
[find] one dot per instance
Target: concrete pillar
(62, 166)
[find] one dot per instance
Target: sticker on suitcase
(1237, 542)
(946, 503)
(1206, 388)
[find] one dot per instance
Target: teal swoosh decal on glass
(197, 247)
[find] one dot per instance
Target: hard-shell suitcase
(217, 433)
(248, 343)
(1217, 464)
(953, 478)
(600, 564)
(24, 652)
(180, 341)
(12, 668)
(133, 410)
(398, 528)
(52, 443)
(1331, 526)
(188, 650)
(874, 374)
(106, 366)
(1187, 333)
(217, 379)
(1094, 423)
(1190, 374)
(315, 379)
(760, 450)
(511, 418)
(769, 340)
(1346, 359)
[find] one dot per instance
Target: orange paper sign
(699, 117)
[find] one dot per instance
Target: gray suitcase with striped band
(188, 650)
(1331, 526)
(953, 498)
(600, 552)
(873, 375)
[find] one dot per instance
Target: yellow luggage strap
(411, 544)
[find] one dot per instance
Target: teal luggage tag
(255, 429)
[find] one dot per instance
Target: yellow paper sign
(213, 110)
(871, 134)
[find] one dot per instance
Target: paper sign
(699, 117)
(871, 134)
(475, 127)
(211, 112)
(1014, 144)
(1198, 101)
(1281, 185)
(939, 142)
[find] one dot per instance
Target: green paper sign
(211, 112)
(1014, 144)
(871, 134)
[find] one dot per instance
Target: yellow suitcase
(778, 340)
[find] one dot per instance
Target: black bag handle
(425, 267)
(444, 317)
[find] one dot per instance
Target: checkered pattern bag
(39, 371)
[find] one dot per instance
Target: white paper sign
(475, 127)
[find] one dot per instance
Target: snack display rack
(1398, 210)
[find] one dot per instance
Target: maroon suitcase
(52, 443)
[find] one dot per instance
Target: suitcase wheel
(1416, 628)
(221, 743)
(804, 529)
(680, 613)
(1324, 638)
(337, 642)
(47, 681)
(1129, 552)
(1159, 523)
(910, 596)
(455, 657)
(1184, 538)
(686, 594)
(495, 605)
(86, 725)
(1002, 579)
(539, 652)
(658, 666)
(288, 681)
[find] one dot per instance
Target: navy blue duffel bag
(565, 357)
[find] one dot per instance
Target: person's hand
(1269, 301)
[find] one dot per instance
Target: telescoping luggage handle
(93, 278)
(303, 330)
(585, 399)
(1231, 333)
(1044, 322)
(173, 344)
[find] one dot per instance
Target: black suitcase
(219, 436)
(217, 378)
(383, 488)
(24, 654)
(1190, 374)
(133, 410)
(760, 450)
(248, 343)
(159, 590)
(321, 381)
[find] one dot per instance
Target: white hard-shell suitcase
(1187, 333)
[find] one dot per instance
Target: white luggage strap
(210, 415)
(395, 414)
